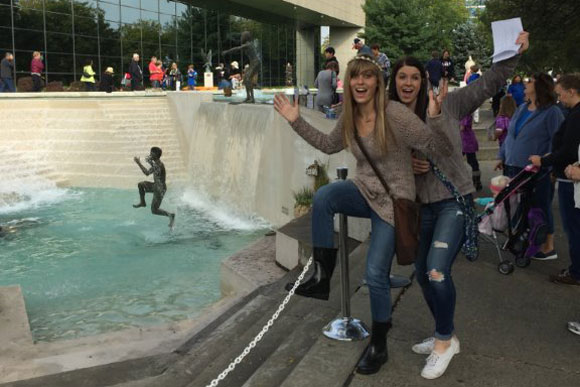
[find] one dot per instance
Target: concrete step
(206, 353)
(76, 179)
(487, 153)
(116, 136)
(121, 152)
(104, 169)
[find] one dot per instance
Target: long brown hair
(382, 133)
(544, 87)
(507, 107)
(422, 97)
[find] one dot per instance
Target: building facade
(71, 32)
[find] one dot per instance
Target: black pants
(472, 161)
(136, 84)
(36, 82)
(89, 86)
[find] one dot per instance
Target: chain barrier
(265, 329)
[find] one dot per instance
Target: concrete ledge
(84, 94)
(251, 268)
(15, 331)
(294, 240)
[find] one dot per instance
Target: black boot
(318, 285)
(476, 176)
(375, 354)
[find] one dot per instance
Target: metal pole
(345, 328)
(342, 248)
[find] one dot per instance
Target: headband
(365, 58)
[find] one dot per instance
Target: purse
(407, 215)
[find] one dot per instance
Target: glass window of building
(109, 31)
(111, 12)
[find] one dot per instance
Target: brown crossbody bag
(407, 218)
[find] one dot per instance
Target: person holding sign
(444, 222)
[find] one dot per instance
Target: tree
(468, 40)
(554, 31)
(412, 27)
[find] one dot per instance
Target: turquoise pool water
(88, 263)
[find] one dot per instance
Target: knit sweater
(458, 104)
(396, 167)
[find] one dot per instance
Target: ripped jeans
(440, 241)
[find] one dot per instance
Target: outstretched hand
(137, 159)
(436, 100)
(290, 111)
(524, 40)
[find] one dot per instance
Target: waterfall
(225, 153)
(26, 181)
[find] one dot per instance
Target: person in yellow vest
(88, 77)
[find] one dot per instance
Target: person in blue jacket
(516, 90)
(530, 132)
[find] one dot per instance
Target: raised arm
(146, 171)
(466, 100)
(236, 48)
(327, 143)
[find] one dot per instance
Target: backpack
(528, 240)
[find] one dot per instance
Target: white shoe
(437, 362)
(426, 346)
(574, 327)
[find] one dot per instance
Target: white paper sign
(505, 34)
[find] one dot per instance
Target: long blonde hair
(382, 133)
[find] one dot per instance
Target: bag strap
(373, 166)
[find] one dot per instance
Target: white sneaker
(574, 327)
(437, 363)
(426, 346)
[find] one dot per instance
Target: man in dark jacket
(136, 73)
(6, 73)
(329, 54)
(448, 66)
(434, 69)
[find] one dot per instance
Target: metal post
(344, 328)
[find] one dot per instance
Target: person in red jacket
(36, 68)
(155, 73)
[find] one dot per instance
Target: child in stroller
(525, 225)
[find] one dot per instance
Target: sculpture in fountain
(250, 48)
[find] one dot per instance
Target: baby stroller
(512, 213)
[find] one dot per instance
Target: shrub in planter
(25, 84)
(54, 86)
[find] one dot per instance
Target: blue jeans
(542, 196)
(7, 84)
(571, 222)
(345, 198)
(440, 240)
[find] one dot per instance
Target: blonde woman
(389, 132)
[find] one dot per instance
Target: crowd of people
(166, 76)
(411, 140)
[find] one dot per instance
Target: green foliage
(303, 197)
(412, 27)
(322, 177)
(554, 31)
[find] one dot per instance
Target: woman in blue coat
(531, 131)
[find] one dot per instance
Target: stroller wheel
(505, 267)
(523, 261)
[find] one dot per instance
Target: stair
(92, 142)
